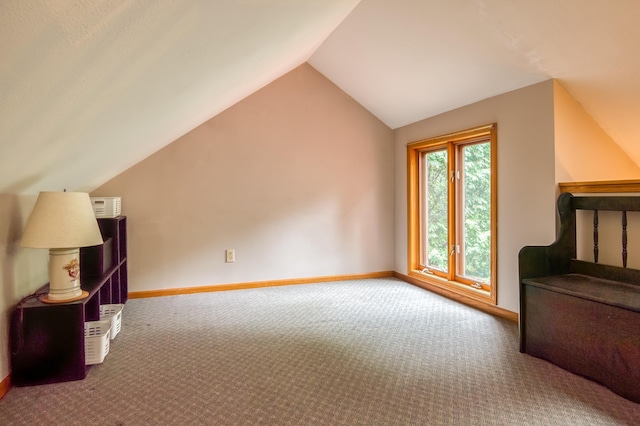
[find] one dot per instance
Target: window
(452, 212)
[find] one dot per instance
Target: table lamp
(62, 222)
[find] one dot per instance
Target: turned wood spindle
(595, 236)
(624, 239)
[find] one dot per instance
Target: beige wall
(584, 152)
(297, 178)
(526, 185)
(22, 271)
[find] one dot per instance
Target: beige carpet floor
(363, 352)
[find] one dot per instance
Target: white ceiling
(90, 87)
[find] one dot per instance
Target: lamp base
(45, 298)
(64, 275)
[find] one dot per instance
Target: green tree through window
(436, 244)
(476, 229)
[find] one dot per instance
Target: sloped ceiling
(90, 87)
(406, 60)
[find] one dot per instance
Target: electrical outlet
(230, 255)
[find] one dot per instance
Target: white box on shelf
(112, 313)
(107, 206)
(96, 341)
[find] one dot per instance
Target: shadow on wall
(22, 270)
(10, 233)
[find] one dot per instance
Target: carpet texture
(362, 352)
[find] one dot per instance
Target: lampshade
(62, 220)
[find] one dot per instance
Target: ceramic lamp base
(64, 275)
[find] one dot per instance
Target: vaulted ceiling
(90, 87)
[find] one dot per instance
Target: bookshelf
(47, 340)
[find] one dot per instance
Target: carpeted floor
(364, 352)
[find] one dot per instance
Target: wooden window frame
(450, 281)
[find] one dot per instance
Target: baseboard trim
(256, 284)
(5, 385)
(485, 307)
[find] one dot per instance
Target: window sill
(454, 287)
(488, 307)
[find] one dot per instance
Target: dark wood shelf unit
(47, 340)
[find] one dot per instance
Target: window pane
(475, 259)
(434, 244)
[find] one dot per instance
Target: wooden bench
(583, 316)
